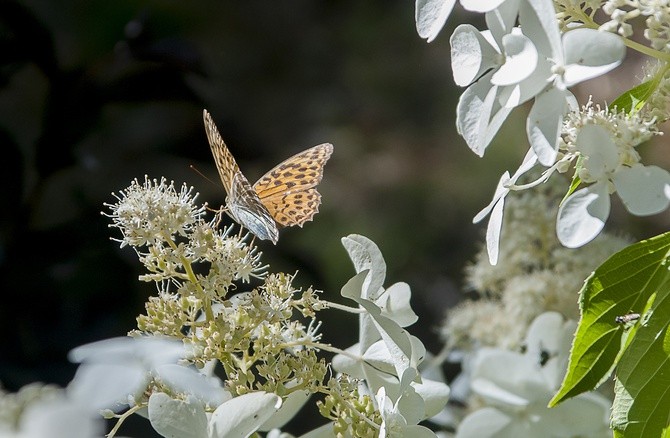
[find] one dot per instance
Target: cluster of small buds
(657, 29)
(353, 414)
(195, 266)
(658, 104)
(571, 11)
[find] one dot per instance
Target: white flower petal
(57, 417)
(151, 350)
(544, 122)
(601, 154)
(325, 431)
(177, 418)
(289, 408)
(590, 53)
(500, 192)
(501, 20)
(529, 161)
(539, 23)
(484, 423)
(585, 415)
(189, 381)
(350, 363)
(481, 5)
(243, 415)
(520, 60)
(493, 231)
(642, 189)
(494, 394)
(395, 304)
(479, 114)
(434, 394)
(397, 340)
(101, 386)
(365, 254)
(471, 54)
(379, 357)
(412, 406)
(582, 216)
(430, 16)
(514, 379)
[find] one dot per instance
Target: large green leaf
(642, 402)
(623, 284)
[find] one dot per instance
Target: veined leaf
(621, 285)
(642, 402)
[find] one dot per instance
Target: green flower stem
(320, 346)
(207, 303)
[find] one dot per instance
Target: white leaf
(582, 216)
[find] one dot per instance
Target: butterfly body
(284, 196)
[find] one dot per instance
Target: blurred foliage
(96, 93)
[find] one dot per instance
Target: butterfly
(285, 196)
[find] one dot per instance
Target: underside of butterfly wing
(244, 206)
(288, 190)
(225, 163)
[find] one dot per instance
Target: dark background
(96, 93)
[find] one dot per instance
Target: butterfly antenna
(193, 168)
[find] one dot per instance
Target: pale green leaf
(634, 99)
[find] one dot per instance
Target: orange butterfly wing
(288, 190)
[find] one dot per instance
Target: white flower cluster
(513, 341)
(524, 54)
(657, 29)
(168, 231)
(514, 389)
(268, 357)
(535, 274)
